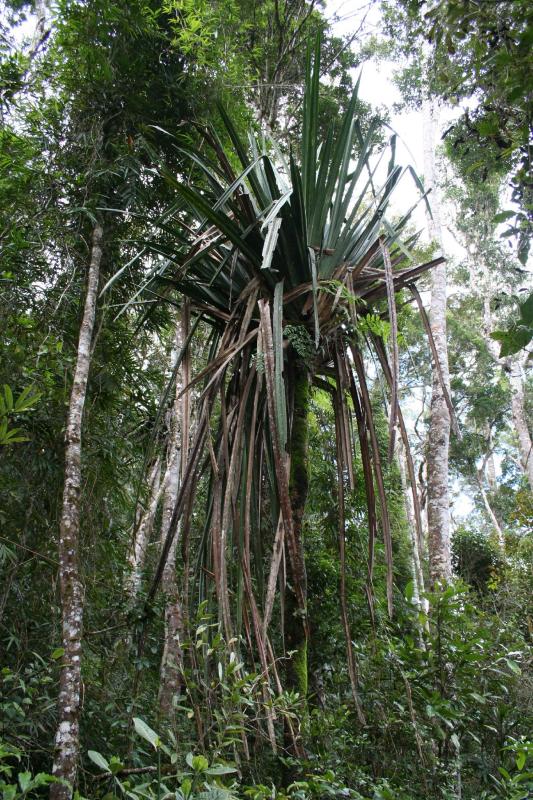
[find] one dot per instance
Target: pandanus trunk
(67, 741)
(296, 625)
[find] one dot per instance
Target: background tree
(482, 50)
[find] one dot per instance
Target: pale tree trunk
(487, 472)
(144, 524)
(490, 466)
(523, 433)
(438, 502)
(416, 557)
(67, 744)
(481, 285)
(172, 659)
(40, 34)
(480, 477)
(514, 365)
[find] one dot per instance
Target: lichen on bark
(67, 744)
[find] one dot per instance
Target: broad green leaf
(146, 732)
(220, 769)
(199, 763)
(504, 772)
(513, 340)
(26, 400)
(9, 792)
(513, 666)
(503, 216)
(99, 760)
(24, 779)
(8, 394)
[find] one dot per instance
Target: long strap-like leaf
(352, 667)
(280, 462)
(378, 472)
(395, 358)
(382, 355)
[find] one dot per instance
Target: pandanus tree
(283, 260)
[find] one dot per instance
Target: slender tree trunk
(171, 662)
(144, 525)
(490, 466)
(416, 559)
(438, 505)
(514, 367)
(172, 659)
(525, 446)
(67, 744)
(490, 513)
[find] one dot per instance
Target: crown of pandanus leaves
(282, 259)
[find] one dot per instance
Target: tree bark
(171, 662)
(438, 503)
(416, 557)
(144, 526)
(490, 513)
(67, 744)
(525, 446)
(514, 366)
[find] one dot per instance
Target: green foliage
(489, 48)
(431, 685)
(375, 324)
(520, 333)
(27, 701)
(12, 406)
(16, 785)
(201, 781)
(476, 559)
(475, 50)
(300, 339)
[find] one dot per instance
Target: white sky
(378, 89)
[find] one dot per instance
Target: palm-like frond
(283, 262)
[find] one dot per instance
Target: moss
(300, 669)
(299, 478)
